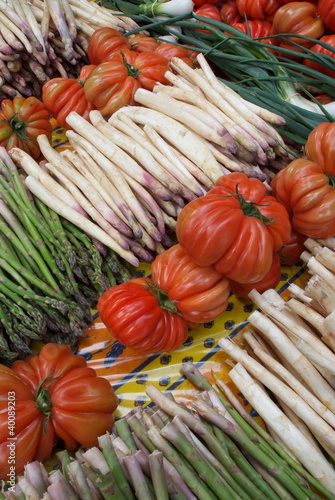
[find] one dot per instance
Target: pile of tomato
(268, 19)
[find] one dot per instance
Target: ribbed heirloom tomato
(300, 18)
(104, 43)
(320, 147)
(309, 196)
(113, 83)
(55, 396)
(270, 280)
(200, 293)
(236, 227)
(142, 317)
(63, 95)
(257, 9)
(22, 120)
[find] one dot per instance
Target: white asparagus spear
(150, 202)
(178, 135)
(115, 154)
(278, 369)
(182, 83)
(320, 290)
(116, 177)
(87, 205)
(313, 460)
(315, 357)
(314, 318)
(194, 118)
(125, 212)
(33, 24)
(77, 219)
(299, 293)
(312, 378)
(16, 32)
(76, 173)
(319, 427)
(316, 267)
(324, 255)
(31, 167)
(136, 150)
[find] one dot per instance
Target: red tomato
(112, 84)
(320, 147)
(291, 251)
(142, 317)
(56, 396)
(326, 10)
(270, 280)
(169, 50)
(63, 95)
(142, 43)
(300, 18)
(236, 227)
(229, 13)
(257, 9)
(210, 11)
(307, 193)
(104, 43)
(256, 29)
(318, 49)
(198, 3)
(22, 120)
(199, 292)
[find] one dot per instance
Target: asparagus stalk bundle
(204, 448)
(51, 273)
(44, 39)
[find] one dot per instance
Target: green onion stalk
(274, 82)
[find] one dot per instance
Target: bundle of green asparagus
(208, 450)
(51, 273)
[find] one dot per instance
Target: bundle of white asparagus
(240, 135)
(290, 350)
(40, 40)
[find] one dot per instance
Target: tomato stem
(162, 298)
(250, 209)
(16, 122)
(132, 71)
(43, 398)
(331, 180)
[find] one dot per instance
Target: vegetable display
(189, 176)
(57, 397)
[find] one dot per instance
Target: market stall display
(173, 234)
